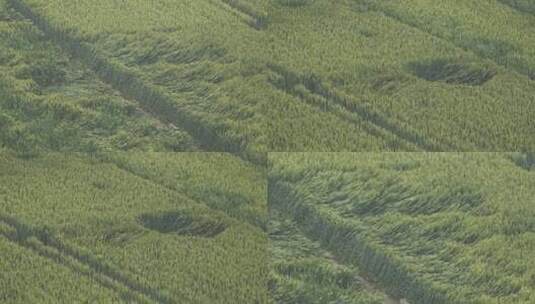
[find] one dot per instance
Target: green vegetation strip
(302, 271)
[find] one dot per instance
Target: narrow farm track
(389, 14)
(46, 245)
(373, 122)
(147, 112)
(323, 226)
(150, 98)
(338, 110)
(164, 124)
(367, 284)
(51, 254)
(246, 19)
(341, 113)
(373, 287)
(252, 18)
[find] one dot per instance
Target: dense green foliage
(432, 227)
(250, 77)
(80, 219)
(49, 101)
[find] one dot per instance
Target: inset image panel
(402, 227)
(253, 76)
(132, 228)
(376, 75)
(133, 75)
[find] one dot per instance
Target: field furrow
(47, 245)
(313, 91)
(257, 19)
(303, 270)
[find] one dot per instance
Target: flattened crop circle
(182, 223)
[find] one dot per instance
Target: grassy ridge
(304, 272)
(491, 31)
(430, 227)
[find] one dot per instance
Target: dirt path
(372, 287)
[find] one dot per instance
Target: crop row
(312, 90)
(59, 280)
